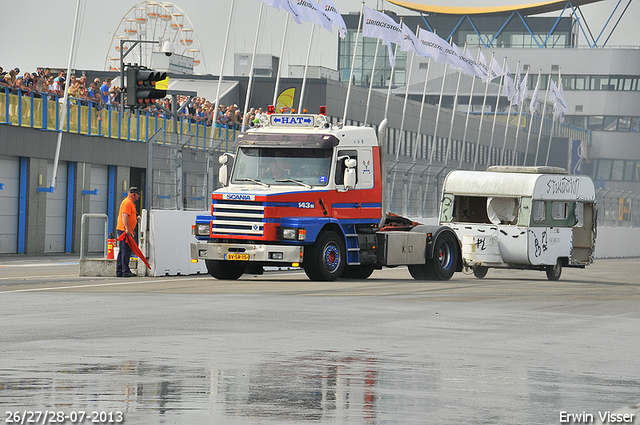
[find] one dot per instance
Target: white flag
(509, 89)
(287, 6)
(311, 11)
(560, 105)
(534, 98)
(272, 3)
(458, 60)
(379, 25)
(482, 66)
(410, 42)
(433, 45)
(523, 88)
(496, 69)
(292, 9)
(335, 17)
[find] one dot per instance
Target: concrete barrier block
(97, 267)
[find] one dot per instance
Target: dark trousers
(122, 266)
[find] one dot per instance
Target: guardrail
(43, 111)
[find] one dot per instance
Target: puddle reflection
(305, 388)
(321, 387)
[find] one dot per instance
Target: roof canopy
(524, 9)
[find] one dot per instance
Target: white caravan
(537, 218)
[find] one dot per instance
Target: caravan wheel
(554, 272)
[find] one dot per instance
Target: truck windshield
(282, 166)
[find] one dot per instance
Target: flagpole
(453, 113)
(520, 102)
(284, 41)
(526, 151)
(495, 112)
(404, 106)
(553, 121)
(373, 73)
(546, 162)
(466, 121)
(306, 67)
(253, 58)
(224, 55)
(503, 158)
(435, 130)
(353, 61)
(404, 114)
(424, 93)
(515, 148)
(65, 98)
(393, 68)
(484, 103)
(544, 110)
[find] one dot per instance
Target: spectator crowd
(100, 94)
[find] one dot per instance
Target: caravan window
(539, 211)
(559, 210)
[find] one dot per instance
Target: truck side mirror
(223, 177)
(350, 174)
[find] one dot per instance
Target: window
(539, 211)
(595, 122)
(582, 82)
(618, 168)
(629, 169)
(624, 123)
(559, 210)
(352, 154)
(610, 123)
(635, 124)
(603, 171)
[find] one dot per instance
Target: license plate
(237, 257)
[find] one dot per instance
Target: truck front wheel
(325, 259)
(225, 270)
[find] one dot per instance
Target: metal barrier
(43, 111)
(106, 232)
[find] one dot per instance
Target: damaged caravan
(537, 218)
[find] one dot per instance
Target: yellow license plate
(237, 257)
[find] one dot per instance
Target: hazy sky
(41, 34)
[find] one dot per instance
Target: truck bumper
(255, 252)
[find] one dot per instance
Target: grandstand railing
(44, 111)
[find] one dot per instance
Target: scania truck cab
(299, 191)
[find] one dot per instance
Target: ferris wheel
(155, 21)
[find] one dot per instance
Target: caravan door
(584, 234)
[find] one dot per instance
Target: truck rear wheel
(446, 256)
(554, 272)
(225, 270)
(325, 259)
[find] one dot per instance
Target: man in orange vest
(127, 221)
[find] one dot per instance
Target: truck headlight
(289, 234)
(203, 230)
(292, 234)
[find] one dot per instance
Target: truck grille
(237, 217)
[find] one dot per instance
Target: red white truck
(305, 193)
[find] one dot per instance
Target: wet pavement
(277, 349)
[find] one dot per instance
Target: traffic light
(141, 86)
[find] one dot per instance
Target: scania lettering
(303, 192)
